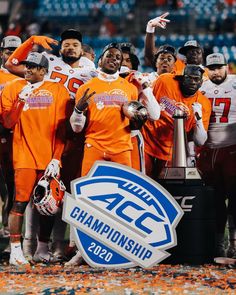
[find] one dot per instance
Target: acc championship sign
(120, 217)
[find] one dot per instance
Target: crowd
(60, 114)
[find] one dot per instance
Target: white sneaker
(18, 259)
(76, 260)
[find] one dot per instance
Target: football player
(218, 157)
(8, 45)
(35, 109)
(174, 92)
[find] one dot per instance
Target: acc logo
(120, 217)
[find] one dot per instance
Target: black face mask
(69, 59)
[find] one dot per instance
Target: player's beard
(69, 59)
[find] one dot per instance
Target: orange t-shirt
(5, 77)
(107, 128)
(158, 135)
(35, 139)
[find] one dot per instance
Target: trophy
(178, 168)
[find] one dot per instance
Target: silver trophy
(178, 168)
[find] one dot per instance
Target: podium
(196, 229)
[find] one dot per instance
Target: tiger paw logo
(121, 218)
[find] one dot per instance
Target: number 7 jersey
(71, 78)
(222, 127)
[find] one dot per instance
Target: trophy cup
(178, 169)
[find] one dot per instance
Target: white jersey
(71, 78)
(222, 127)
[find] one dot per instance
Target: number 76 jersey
(71, 78)
(222, 127)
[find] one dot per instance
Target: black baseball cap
(127, 47)
(189, 44)
(111, 45)
(71, 34)
(36, 59)
(165, 49)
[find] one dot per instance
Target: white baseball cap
(10, 42)
(216, 59)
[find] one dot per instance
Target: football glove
(53, 168)
(159, 21)
(197, 110)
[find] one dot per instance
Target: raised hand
(44, 41)
(159, 21)
(84, 101)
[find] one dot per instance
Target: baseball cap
(111, 45)
(128, 47)
(10, 42)
(189, 44)
(215, 59)
(165, 49)
(71, 34)
(36, 59)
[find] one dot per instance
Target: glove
(159, 21)
(25, 92)
(53, 168)
(197, 110)
(141, 79)
(191, 161)
(44, 41)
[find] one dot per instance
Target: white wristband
(150, 29)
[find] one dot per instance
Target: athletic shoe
(45, 258)
(76, 260)
(18, 259)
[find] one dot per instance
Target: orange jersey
(107, 128)
(35, 141)
(158, 135)
(5, 77)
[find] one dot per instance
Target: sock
(16, 248)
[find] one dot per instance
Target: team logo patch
(120, 217)
(57, 68)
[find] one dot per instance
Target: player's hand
(25, 93)
(53, 168)
(142, 80)
(191, 161)
(44, 41)
(159, 21)
(84, 101)
(197, 110)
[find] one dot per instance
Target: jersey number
(218, 101)
(73, 83)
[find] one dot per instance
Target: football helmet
(48, 195)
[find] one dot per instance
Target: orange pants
(91, 155)
(25, 181)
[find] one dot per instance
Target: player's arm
(12, 107)
(78, 119)
(199, 131)
(149, 47)
(20, 54)
(146, 96)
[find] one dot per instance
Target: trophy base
(179, 173)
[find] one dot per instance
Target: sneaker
(18, 259)
(231, 251)
(29, 248)
(76, 260)
(45, 258)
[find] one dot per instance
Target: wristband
(78, 111)
(150, 29)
